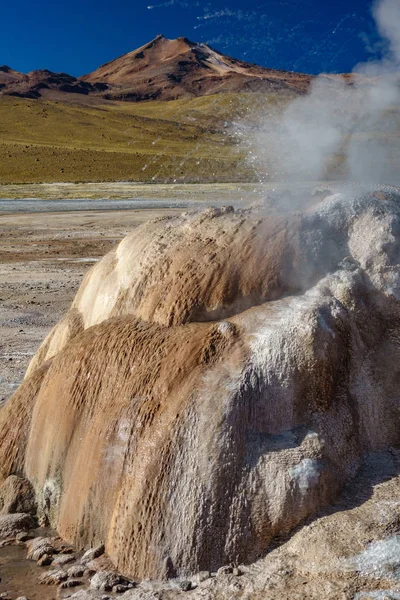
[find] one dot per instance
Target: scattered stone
(89, 573)
(24, 536)
(120, 589)
(77, 571)
(92, 553)
(63, 559)
(202, 576)
(45, 560)
(10, 525)
(22, 598)
(5, 596)
(17, 496)
(38, 547)
(7, 542)
(237, 571)
(104, 581)
(70, 583)
(53, 577)
(185, 586)
(227, 570)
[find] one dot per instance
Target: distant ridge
(162, 69)
(168, 69)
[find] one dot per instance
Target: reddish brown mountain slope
(168, 69)
(42, 82)
(162, 69)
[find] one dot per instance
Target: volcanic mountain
(169, 69)
(162, 69)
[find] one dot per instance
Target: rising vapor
(350, 120)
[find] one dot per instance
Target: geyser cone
(218, 378)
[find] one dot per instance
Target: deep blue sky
(76, 36)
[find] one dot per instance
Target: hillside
(183, 140)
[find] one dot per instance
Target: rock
(227, 570)
(63, 559)
(77, 571)
(24, 537)
(92, 553)
(104, 581)
(11, 525)
(185, 586)
(53, 577)
(202, 576)
(89, 573)
(5, 596)
(237, 571)
(70, 583)
(254, 427)
(7, 542)
(119, 589)
(102, 563)
(17, 496)
(38, 547)
(45, 560)
(66, 549)
(22, 598)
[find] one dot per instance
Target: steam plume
(345, 126)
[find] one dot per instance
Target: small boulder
(70, 583)
(185, 586)
(38, 547)
(202, 576)
(11, 525)
(92, 553)
(77, 571)
(226, 570)
(45, 560)
(17, 496)
(104, 581)
(120, 589)
(53, 577)
(63, 559)
(24, 537)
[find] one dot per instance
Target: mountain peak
(167, 69)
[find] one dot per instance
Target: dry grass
(183, 140)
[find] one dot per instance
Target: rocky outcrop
(218, 379)
(17, 496)
(11, 525)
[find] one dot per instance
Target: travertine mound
(218, 378)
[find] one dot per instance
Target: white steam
(343, 128)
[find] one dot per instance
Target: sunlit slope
(191, 140)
